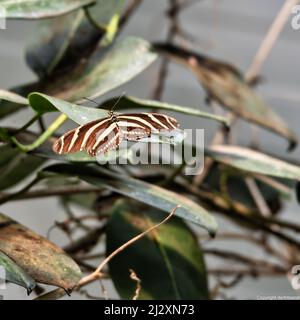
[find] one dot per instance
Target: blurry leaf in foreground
(175, 265)
(53, 43)
(61, 43)
(15, 274)
(253, 161)
(40, 258)
(226, 85)
(144, 192)
(106, 69)
(16, 166)
(38, 9)
(12, 97)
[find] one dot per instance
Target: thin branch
(253, 272)
(132, 7)
(258, 197)
(135, 278)
(172, 14)
(270, 39)
(230, 255)
(98, 272)
(51, 193)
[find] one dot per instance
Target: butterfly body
(100, 136)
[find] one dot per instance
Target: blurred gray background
(229, 29)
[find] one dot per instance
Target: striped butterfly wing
(136, 126)
(102, 135)
(95, 137)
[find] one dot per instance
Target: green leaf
(225, 84)
(13, 97)
(43, 103)
(175, 265)
(16, 166)
(54, 41)
(38, 257)
(136, 103)
(15, 274)
(38, 9)
(150, 194)
(236, 188)
(12, 103)
(106, 69)
(253, 161)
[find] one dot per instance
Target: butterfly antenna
(85, 98)
(121, 96)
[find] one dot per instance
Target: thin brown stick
(52, 193)
(253, 272)
(98, 272)
(172, 14)
(135, 278)
(258, 197)
(231, 255)
(270, 39)
(132, 7)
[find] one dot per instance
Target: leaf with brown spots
(15, 274)
(39, 258)
(226, 85)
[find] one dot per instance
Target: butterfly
(100, 136)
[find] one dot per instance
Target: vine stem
(43, 137)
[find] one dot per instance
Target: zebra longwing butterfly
(105, 134)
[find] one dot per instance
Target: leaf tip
(292, 145)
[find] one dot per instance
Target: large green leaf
(253, 161)
(106, 69)
(38, 257)
(150, 194)
(60, 43)
(16, 166)
(173, 258)
(15, 274)
(136, 103)
(43, 103)
(38, 9)
(225, 84)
